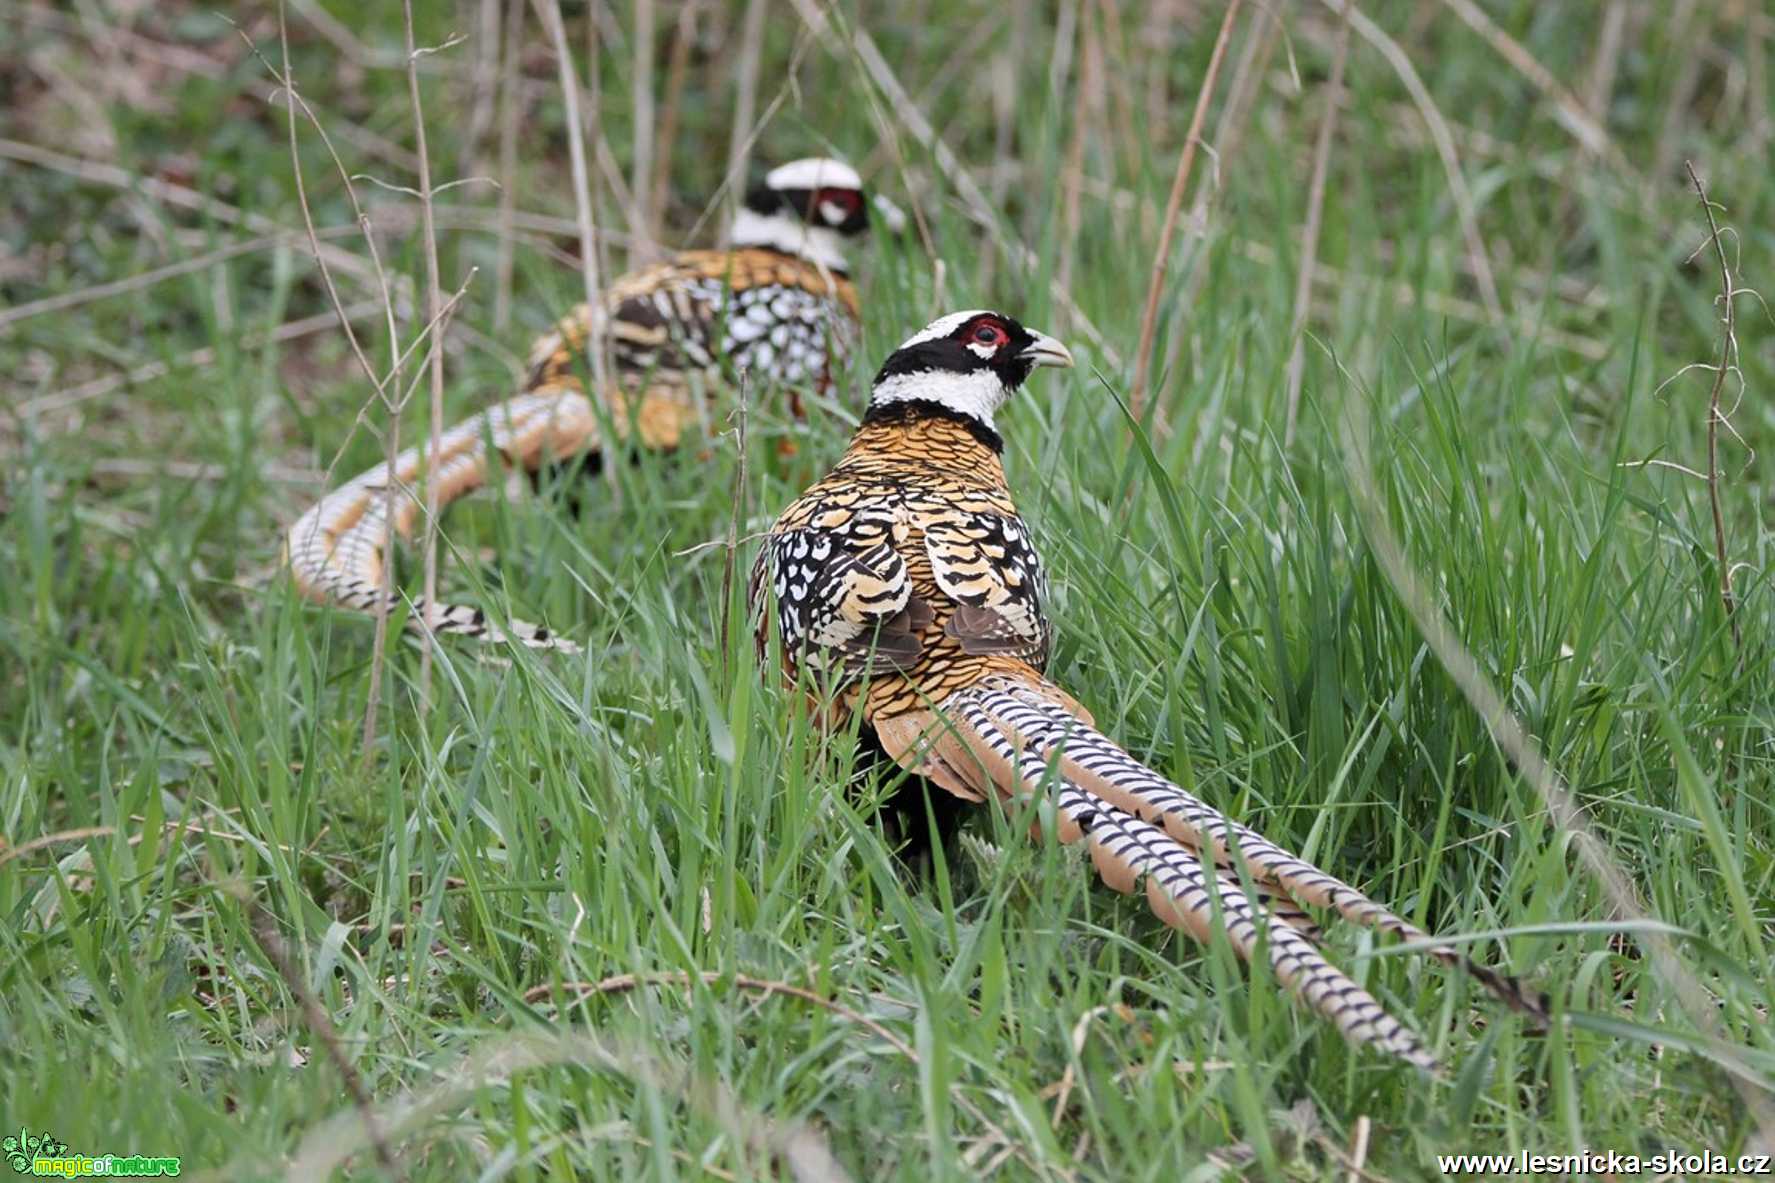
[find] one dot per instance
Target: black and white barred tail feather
(335, 550)
(1103, 768)
(1128, 851)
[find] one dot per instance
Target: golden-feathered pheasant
(908, 590)
(779, 304)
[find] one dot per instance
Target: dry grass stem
(1605, 62)
(1465, 210)
(549, 12)
(511, 110)
(1686, 35)
(315, 1015)
(1229, 127)
(738, 515)
(745, 102)
(623, 983)
(1072, 173)
(62, 400)
(434, 301)
(1149, 317)
(677, 71)
(1570, 112)
(167, 192)
(133, 283)
(1562, 805)
(641, 140)
(1359, 1148)
(1309, 247)
(484, 77)
(392, 438)
(913, 118)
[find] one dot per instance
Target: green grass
(656, 807)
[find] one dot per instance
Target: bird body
(778, 305)
(908, 590)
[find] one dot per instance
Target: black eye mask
(802, 203)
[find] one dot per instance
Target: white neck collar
(816, 244)
(977, 394)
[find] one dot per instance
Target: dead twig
(1149, 317)
(1727, 355)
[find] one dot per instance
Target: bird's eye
(988, 335)
(846, 201)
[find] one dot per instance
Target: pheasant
(908, 591)
(779, 304)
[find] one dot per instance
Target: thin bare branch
(1728, 351)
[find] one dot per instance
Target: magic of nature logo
(42, 1155)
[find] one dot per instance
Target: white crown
(815, 172)
(943, 326)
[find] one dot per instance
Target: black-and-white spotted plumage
(907, 582)
(778, 306)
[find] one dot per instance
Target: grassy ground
(185, 797)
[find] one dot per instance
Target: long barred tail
(1014, 738)
(1111, 773)
(335, 550)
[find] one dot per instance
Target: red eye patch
(848, 200)
(985, 331)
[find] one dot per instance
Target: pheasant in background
(779, 304)
(908, 590)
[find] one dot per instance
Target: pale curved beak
(891, 215)
(1046, 351)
